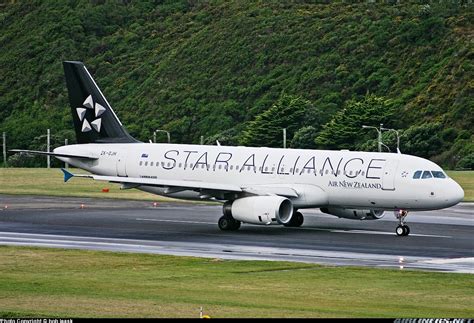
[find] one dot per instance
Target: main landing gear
(402, 229)
(296, 220)
(228, 223)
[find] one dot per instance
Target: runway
(439, 240)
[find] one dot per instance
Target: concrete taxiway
(440, 240)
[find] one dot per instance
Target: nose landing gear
(402, 229)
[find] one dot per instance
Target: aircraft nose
(456, 193)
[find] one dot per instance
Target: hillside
(210, 68)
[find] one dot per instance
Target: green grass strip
(76, 283)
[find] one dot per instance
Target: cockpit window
(438, 174)
(426, 174)
(417, 174)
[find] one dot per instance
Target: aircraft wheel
(236, 225)
(296, 221)
(228, 224)
(400, 230)
(299, 219)
(407, 230)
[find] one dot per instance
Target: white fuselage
(348, 179)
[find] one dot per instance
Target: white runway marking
(239, 252)
(373, 232)
(389, 233)
(466, 260)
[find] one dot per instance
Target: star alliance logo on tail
(98, 111)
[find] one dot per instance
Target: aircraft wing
(178, 185)
(157, 182)
(271, 190)
(36, 152)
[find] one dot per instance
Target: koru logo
(98, 111)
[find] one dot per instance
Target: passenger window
(438, 174)
(141, 163)
(426, 174)
(151, 164)
(417, 174)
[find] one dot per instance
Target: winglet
(67, 175)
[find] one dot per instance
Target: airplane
(256, 185)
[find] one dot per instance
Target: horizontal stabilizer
(36, 152)
(67, 175)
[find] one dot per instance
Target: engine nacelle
(354, 214)
(261, 210)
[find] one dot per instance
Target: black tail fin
(94, 119)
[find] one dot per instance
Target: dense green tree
(423, 141)
(226, 138)
(345, 131)
(304, 138)
(199, 68)
(266, 130)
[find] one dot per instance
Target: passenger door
(389, 171)
(121, 166)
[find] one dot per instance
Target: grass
(76, 283)
(42, 181)
(466, 180)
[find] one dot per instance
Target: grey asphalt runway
(440, 240)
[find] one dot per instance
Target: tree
(345, 131)
(266, 130)
(423, 141)
(304, 138)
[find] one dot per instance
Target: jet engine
(260, 210)
(354, 214)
